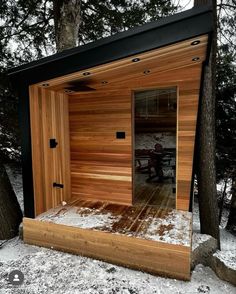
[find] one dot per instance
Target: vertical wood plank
(49, 119)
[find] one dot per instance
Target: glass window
(153, 103)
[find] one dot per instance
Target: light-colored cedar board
(188, 97)
(49, 119)
(186, 77)
(36, 156)
(173, 76)
(155, 257)
(187, 117)
(188, 82)
(95, 151)
(156, 59)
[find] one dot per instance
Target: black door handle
(57, 185)
(53, 143)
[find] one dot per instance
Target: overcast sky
(187, 4)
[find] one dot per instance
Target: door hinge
(57, 185)
(53, 143)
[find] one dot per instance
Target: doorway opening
(155, 121)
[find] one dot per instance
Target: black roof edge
(122, 35)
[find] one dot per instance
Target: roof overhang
(164, 32)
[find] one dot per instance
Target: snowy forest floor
(49, 271)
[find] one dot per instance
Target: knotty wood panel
(100, 163)
(49, 119)
(151, 256)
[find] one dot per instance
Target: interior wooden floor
(154, 194)
(144, 237)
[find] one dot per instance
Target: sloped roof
(166, 31)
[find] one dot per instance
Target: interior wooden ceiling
(183, 54)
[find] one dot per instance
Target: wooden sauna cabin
(108, 133)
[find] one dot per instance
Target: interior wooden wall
(187, 79)
(49, 119)
(101, 165)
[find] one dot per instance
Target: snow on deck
(173, 227)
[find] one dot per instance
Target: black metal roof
(166, 31)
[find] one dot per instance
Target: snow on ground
(48, 271)
(199, 239)
(228, 259)
(228, 249)
(15, 176)
(227, 240)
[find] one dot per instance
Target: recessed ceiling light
(195, 59)
(104, 82)
(196, 42)
(136, 59)
(45, 84)
(147, 71)
(68, 91)
(86, 73)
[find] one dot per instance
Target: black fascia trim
(209, 45)
(173, 29)
(26, 152)
(126, 34)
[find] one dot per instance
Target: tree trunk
(10, 212)
(231, 224)
(206, 169)
(67, 21)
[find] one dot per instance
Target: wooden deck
(156, 240)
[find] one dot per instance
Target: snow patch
(198, 239)
(84, 218)
(172, 229)
(48, 271)
(14, 249)
(15, 177)
(227, 257)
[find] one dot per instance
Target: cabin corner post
(26, 152)
(187, 121)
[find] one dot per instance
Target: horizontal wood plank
(155, 257)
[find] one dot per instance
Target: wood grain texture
(158, 60)
(142, 220)
(151, 256)
(94, 119)
(101, 163)
(187, 80)
(49, 119)
(187, 118)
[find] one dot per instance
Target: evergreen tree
(226, 103)
(27, 33)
